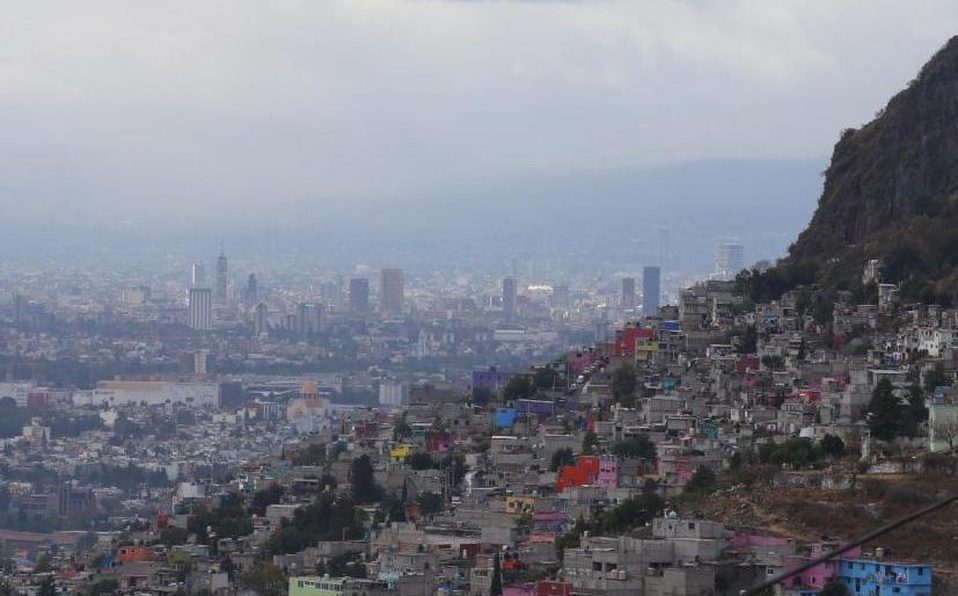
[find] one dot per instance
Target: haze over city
(413, 121)
(478, 298)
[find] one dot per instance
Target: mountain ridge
(891, 193)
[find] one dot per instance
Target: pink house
(608, 476)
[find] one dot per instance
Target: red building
(550, 588)
(581, 474)
(625, 340)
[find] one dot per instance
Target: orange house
(132, 554)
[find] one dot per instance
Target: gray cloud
(179, 112)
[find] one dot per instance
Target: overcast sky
(174, 111)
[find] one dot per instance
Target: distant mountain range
(608, 217)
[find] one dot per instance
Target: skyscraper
(252, 289)
(628, 292)
(261, 319)
(729, 260)
(222, 278)
(198, 277)
(201, 308)
(509, 297)
(309, 319)
(359, 294)
(560, 296)
(391, 291)
(651, 290)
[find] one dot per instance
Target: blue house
(870, 577)
(505, 417)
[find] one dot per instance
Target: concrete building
(359, 294)
(222, 279)
(651, 290)
(628, 293)
(201, 309)
(198, 275)
(509, 297)
(729, 260)
(391, 291)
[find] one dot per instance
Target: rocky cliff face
(891, 190)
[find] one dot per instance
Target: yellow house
(645, 349)
(400, 452)
(520, 504)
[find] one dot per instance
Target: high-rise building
(198, 277)
(510, 294)
(222, 278)
(729, 260)
(201, 308)
(560, 296)
(200, 358)
(628, 292)
(359, 294)
(651, 290)
(309, 319)
(252, 289)
(261, 319)
(391, 291)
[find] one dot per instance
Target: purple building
(490, 379)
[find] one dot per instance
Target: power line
(867, 537)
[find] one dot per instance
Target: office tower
(729, 260)
(198, 277)
(359, 294)
(560, 296)
(261, 319)
(252, 289)
(390, 291)
(509, 297)
(201, 308)
(199, 362)
(628, 292)
(222, 278)
(651, 290)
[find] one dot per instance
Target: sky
(152, 114)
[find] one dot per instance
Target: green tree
(562, 457)
(590, 443)
(547, 377)
(637, 446)
(265, 579)
(421, 460)
(172, 535)
(518, 387)
(884, 412)
(429, 502)
(313, 454)
(624, 384)
(630, 513)
(832, 446)
(834, 587)
(702, 482)
(495, 587)
(47, 587)
(263, 498)
(749, 342)
(104, 586)
(365, 489)
(936, 377)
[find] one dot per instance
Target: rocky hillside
(891, 192)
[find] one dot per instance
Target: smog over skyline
(404, 116)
